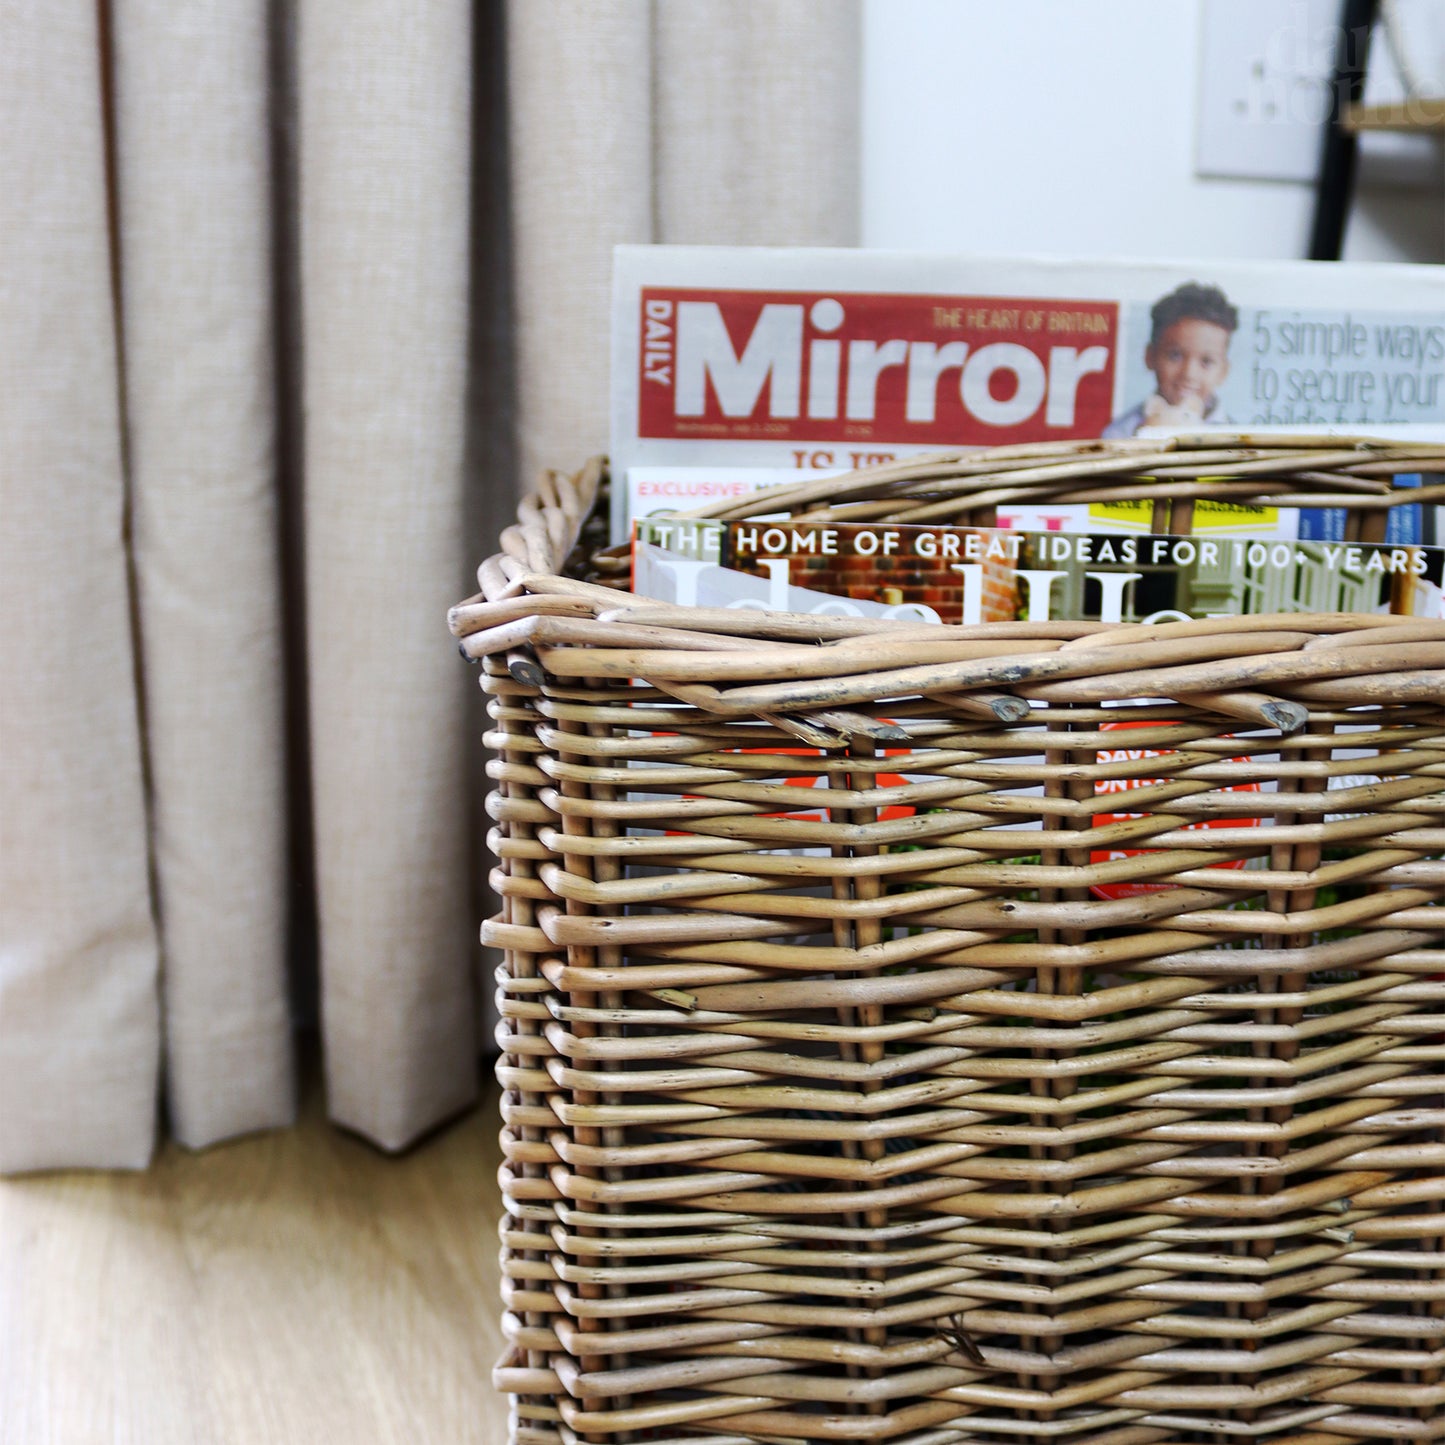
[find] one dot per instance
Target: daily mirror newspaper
(827, 359)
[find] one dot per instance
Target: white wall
(1069, 126)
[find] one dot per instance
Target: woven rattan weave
(840, 1105)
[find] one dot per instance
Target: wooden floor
(295, 1287)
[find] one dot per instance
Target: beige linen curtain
(79, 1016)
(292, 299)
(193, 233)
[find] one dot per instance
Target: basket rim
(544, 628)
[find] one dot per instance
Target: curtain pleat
(384, 172)
(194, 187)
(79, 1015)
(683, 121)
(579, 80)
(756, 122)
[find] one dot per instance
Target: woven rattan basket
(868, 1118)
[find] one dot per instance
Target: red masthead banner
(917, 370)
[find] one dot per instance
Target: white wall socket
(1264, 83)
(1265, 67)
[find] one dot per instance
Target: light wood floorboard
(293, 1287)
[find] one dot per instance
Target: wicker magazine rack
(867, 1118)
